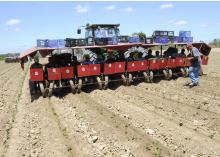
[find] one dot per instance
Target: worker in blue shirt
(195, 67)
(87, 60)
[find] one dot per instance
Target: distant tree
(141, 35)
(215, 43)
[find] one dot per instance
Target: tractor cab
(102, 34)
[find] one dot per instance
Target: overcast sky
(21, 23)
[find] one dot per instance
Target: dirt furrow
(109, 128)
(203, 122)
(195, 115)
(172, 91)
(9, 94)
(35, 131)
(7, 69)
(174, 135)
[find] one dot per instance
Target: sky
(21, 23)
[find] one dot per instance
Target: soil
(146, 119)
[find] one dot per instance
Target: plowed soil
(143, 120)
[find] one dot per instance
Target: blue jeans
(194, 74)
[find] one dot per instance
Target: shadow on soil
(62, 92)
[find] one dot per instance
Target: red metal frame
(36, 74)
(82, 70)
(171, 63)
(162, 63)
(67, 72)
(205, 60)
(180, 62)
(119, 67)
(153, 64)
(109, 68)
(54, 74)
(95, 69)
(134, 66)
(88, 70)
(187, 62)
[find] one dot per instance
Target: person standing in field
(195, 67)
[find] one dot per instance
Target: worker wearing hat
(195, 67)
(36, 63)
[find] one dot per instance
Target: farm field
(143, 120)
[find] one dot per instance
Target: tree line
(215, 43)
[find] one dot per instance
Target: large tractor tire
(42, 90)
(106, 82)
(50, 90)
(99, 82)
(79, 87)
(72, 86)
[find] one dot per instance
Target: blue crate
(162, 40)
(42, 42)
(176, 39)
(61, 43)
(134, 39)
(186, 39)
(52, 43)
(112, 41)
(184, 33)
(56, 43)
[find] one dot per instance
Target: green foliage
(140, 34)
(2, 56)
(215, 43)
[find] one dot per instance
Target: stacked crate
(55, 43)
(185, 37)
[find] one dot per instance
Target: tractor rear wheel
(106, 82)
(42, 89)
(79, 87)
(72, 86)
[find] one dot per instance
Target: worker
(99, 59)
(182, 53)
(36, 63)
(50, 64)
(131, 57)
(149, 54)
(75, 61)
(172, 52)
(194, 69)
(87, 59)
(110, 58)
(157, 54)
(140, 56)
(120, 57)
